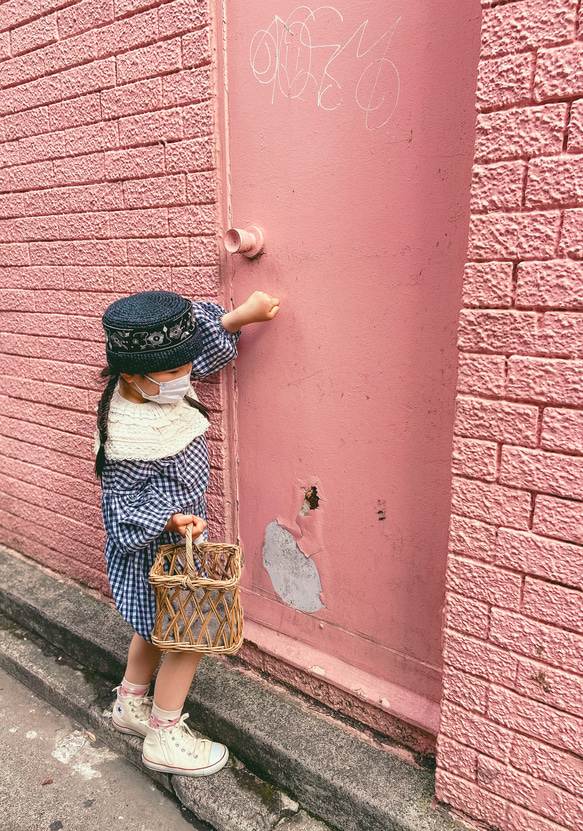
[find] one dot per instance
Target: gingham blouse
(140, 496)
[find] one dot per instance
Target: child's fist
(258, 308)
(179, 522)
(261, 307)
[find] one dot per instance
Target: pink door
(350, 138)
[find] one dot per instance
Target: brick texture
(107, 187)
(510, 751)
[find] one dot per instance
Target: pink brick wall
(510, 751)
(106, 187)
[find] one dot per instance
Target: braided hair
(103, 414)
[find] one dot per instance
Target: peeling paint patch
(304, 515)
(294, 576)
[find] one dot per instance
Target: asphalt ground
(57, 776)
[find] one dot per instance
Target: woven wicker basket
(197, 597)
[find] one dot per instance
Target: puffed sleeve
(134, 518)
(219, 347)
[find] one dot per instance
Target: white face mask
(170, 391)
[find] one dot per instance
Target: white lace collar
(150, 431)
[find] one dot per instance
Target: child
(153, 462)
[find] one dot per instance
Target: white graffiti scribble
(292, 56)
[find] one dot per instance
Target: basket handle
(189, 546)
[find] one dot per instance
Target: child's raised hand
(258, 308)
(179, 522)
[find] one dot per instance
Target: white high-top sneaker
(131, 713)
(176, 749)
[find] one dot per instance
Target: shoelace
(140, 700)
(182, 727)
(143, 701)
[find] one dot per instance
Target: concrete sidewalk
(56, 775)
(290, 767)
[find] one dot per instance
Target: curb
(285, 754)
(245, 801)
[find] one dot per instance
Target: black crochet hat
(152, 331)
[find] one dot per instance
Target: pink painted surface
(357, 168)
(510, 749)
(107, 187)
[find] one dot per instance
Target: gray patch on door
(294, 576)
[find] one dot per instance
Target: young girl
(153, 462)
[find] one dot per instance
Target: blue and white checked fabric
(140, 496)
(219, 347)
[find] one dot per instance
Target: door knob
(247, 241)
